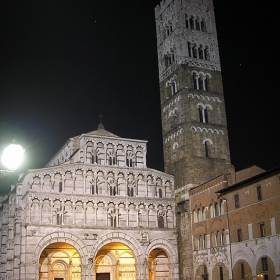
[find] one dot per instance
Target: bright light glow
(12, 156)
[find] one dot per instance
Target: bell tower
(194, 127)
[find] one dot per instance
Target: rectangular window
(221, 273)
(236, 201)
(239, 235)
(242, 271)
(259, 193)
(262, 230)
(264, 264)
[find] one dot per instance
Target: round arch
(164, 245)
(120, 237)
(65, 237)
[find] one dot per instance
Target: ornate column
(84, 177)
(106, 218)
(74, 213)
(84, 208)
(51, 211)
(40, 210)
(95, 215)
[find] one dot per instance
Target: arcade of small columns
(83, 179)
(74, 211)
(104, 152)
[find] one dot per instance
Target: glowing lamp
(12, 156)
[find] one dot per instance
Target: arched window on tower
(203, 25)
(206, 83)
(205, 115)
(200, 112)
(200, 83)
(192, 22)
(195, 83)
(206, 53)
(197, 25)
(194, 51)
(189, 49)
(206, 148)
(187, 21)
(200, 52)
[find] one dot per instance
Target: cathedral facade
(96, 211)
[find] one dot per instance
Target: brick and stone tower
(195, 137)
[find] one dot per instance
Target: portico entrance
(115, 261)
(60, 261)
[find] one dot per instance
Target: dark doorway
(58, 278)
(102, 276)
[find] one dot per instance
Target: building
(94, 212)
(235, 225)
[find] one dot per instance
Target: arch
(207, 140)
(119, 237)
(242, 269)
(166, 246)
(65, 237)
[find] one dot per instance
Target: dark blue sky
(64, 62)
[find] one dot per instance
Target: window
(217, 209)
(214, 239)
(205, 115)
(113, 221)
(200, 112)
(187, 21)
(236, 201)
(203, 25)
(242, 271)
(205, 274)
(58, 219)
(262, 230)
(192, 22)
(130, 191)
(221, 274)
(60, 187)
(160, 222)
(201, 81)
(206, 148)
(239, 235)
(160, 193)
(264, 264)
(259, 193)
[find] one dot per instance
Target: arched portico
(115, 247)
(162, 260)
(61, 253)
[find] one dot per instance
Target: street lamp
(12, 157)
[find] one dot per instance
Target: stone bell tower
(194, 127)
(195, 137)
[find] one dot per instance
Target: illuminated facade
(95, 212)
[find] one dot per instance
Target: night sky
(64, 62)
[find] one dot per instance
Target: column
(40, 209)
(74, 212)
